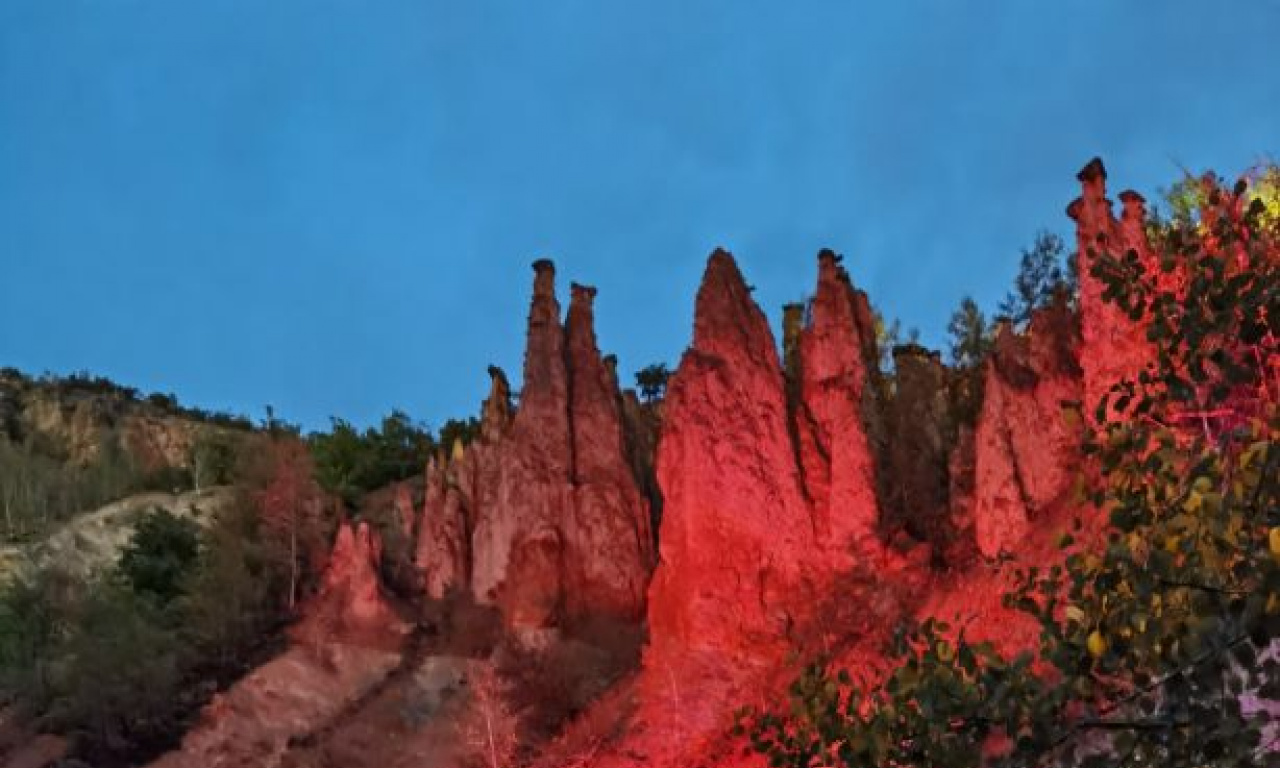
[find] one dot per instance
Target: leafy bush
(161, 555)
(349, 462)
(651, 381)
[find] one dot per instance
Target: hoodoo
(837, 349)
(1113, 347)
(736, 527)
(758, 516)
(542, 515)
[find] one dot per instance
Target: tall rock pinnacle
(1114, 347)
(541, 515)
(835, 453)
(736, 528)
(516, 549)
(609, 543)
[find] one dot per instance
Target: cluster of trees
(350, 462)
(120, 662)
(40, 488)
(1045, 272)
(1157, 635)
(117, 663)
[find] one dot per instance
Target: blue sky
(332, 207)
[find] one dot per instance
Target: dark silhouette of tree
(970, 334)
(161, 554)
(1043, 271)
(652, 381)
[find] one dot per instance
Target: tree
(1154, 632)
(971, 336)
(458, 430)
(228, 605)
(160, 555)
(652, 381)
(34, 610)
(213, 457)
(291, 509)
(115, 674)
(488, 726)
(1043, 271)
(349, 462)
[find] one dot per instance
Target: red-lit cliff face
(755, 525)
(836, 349)
(1028, 437)
(734, 513)
(608, 541)
(350, 605)
(542, 515)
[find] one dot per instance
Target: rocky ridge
(770, 466)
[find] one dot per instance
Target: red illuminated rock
(350, 606)
(836, 348)
(1027, 440)
(1113, 347)
(442, 554)
(609, 547)
(737, 531)
(531, 485)
(560, 529)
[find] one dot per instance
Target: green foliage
(160, 555)
(349, 462)
(118, 663)
(214, 457)
(1044, 269)
(228, 606)
(116, 672)
(971, 335)
(458, 430)
(1150, 636)
(33, 612)
(651, 381)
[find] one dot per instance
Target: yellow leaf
(1096, 643)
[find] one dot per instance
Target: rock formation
(1112, 346)
(768, 467)
(350, 606)
(763, 503)
(915, 473)
(542, 515)
(608, 540)
(1041, 387)
(442, 551)
(1027, 440)
(736, 526)
(837, 347)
